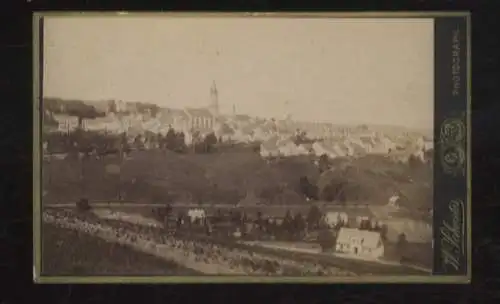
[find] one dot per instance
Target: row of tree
(82, 141)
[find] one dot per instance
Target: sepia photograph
(235, 147)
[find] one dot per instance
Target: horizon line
(424, 129)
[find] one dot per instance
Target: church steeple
(214, 99)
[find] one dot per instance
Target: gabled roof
(366, 140)
(358, 149)
(369, 239)
(307, 146)
(241, 117)
(271, 143)
(284, 142)
(198, 112)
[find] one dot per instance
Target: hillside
(233, 177)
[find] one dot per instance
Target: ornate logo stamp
(453, 130)
(452, 141)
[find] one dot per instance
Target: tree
(314, 217)
(323, 163)
(82, 111)
(259, 220)
(287, 221)
(383, 232)
(402, 245)
(48, 120)
(138, 142)
(309, 190)
(171, 139)
(180, 145)
(112, 108)
(83, 205)
(331, 186)
(299, 224)
(210, 141)
(326, 240)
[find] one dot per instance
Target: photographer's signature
(453, 236)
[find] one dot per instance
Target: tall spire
(214, 99)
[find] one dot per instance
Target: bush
(326, 240)
(374, 179)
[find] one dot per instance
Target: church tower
(214, 100)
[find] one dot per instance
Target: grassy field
(227, 178)
(360, 267)
(67, 252)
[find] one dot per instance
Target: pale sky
(373, 71)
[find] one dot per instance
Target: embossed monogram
(452, 137)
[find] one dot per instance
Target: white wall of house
(268, 153)
(363, 244)
(66, 122)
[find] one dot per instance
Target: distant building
(428, 144)
(214, 100)
(200, 119)
(362, 243)
(320, 148)
(287, 147)
(67, 123)
(270, 148)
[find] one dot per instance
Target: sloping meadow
(231, 177)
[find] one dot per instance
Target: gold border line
(469, 148)
(408, 14)
(36, 151)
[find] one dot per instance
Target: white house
(332, 218)
(394, 201)
(200, 119)
(428, 145)
(361, 243)
(196, 214)
(287, 147)
(269, 148)
(320, 149)
(305, 149)
(66, 123)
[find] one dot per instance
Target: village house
(270, 148)
(320, 148)
(110, 123)
(349, 148)
(332, 218)
(223, 131)
(131, 107)
(261, 133)
(428, 144)
(242, 135)
(200, 120)
(305, 149)
(287, 147)
(382, 145)
(241, 120)
(360, 243)
(101, 106)
(153, 125)
(180, 120)
(67, 123)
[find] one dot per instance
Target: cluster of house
(276, 135)
(276, 140)
(346, 146)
